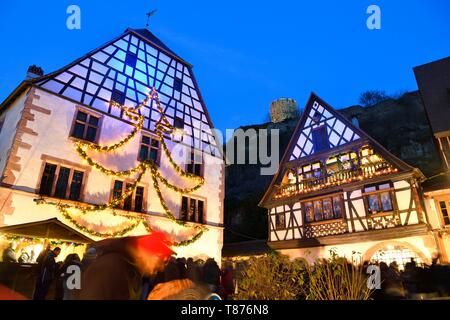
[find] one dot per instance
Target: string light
(367, 172)
(163, 126)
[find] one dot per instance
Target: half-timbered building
(338, 190)
(46, 117)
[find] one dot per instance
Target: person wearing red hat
(117, 272)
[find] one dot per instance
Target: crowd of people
(414, 281)
(144, 277)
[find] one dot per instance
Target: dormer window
(118, 96)
(178, 123)
(317, 116)
(178, 84)
(131, 59)
(320, 139)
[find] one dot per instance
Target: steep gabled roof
(341, 132)
(129, 66)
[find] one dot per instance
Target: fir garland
(132, 114)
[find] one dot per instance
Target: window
(178, 123)
(194, 165)
(177, 84)
(130, 59)
(280, 220)
(47, 180)
(378, 198)
(320, 139)
(192, 210)
(445, 208)
(149, 149)
(134, 202)
(118, 96)
(68, 184)
(324, 209)
(86, 126)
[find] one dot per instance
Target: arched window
(396, 253)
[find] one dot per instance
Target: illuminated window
(398, 254)
(134, 202)
(378, 198)
(149, 149)
(280, 220)
(61, 182)
(192, 210)
(320, 139)
(86, 126)
(445, 207)
(195, 163)
(323, 209)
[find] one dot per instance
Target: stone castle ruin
(283, 109)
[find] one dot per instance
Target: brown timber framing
(353, 237)
(352, 214)
(267, 200)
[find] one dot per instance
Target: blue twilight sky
(245, 53)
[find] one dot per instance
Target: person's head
(189, 261)
(90, 254)
(13, 245)
(150, 253)
(57, 251)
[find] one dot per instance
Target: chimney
(34, 72)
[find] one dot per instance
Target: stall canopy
(46, 229)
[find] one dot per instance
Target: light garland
(368, 174)
(34, 240)
(142, 168)
(138, 127)
(63, 209)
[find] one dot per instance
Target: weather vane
(149, 14)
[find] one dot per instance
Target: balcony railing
(334, 179)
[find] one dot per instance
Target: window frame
(90, 113)
(150, 147)
(280, 224)
(194, 164)
(445, 199)
(62, 164)
(321, 199)
(378, 192)
(316, 130)
(196, 216)
(125, 183)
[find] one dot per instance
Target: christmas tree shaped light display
(138, 172)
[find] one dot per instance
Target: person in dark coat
(121, 264)
(47, 274)
(88, 257)
(172, 271)
(193, 272)
(227, 281)
(211, 274)
(181, 263)
(9, 254)
(41, 257)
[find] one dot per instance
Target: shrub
(275, 277)
(271, 277)
(336, 279)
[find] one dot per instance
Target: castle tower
(282, 109)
